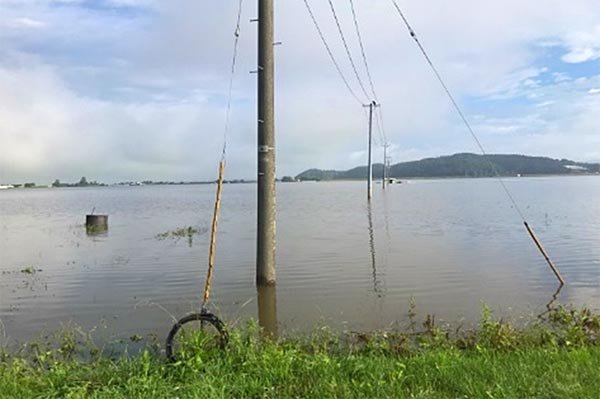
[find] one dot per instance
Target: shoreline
(555, 358)
(376, 179)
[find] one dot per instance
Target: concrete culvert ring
(204, 317)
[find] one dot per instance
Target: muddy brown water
(451, 244)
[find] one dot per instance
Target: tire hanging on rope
(205, 316)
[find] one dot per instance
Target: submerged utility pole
(265, 230)
(384, 174)
(371, 106)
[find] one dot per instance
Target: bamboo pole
(543, 251)
(213, 235)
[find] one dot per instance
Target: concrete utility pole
(265, 240)
(267, 310)
(385, 146)
(371, 106)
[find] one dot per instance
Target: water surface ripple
(449, 244)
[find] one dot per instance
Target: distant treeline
(184, 183)
(463, 165)
(82, 183)
(57, 183)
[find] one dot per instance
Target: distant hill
(462, 165)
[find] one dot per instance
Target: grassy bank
(559, 358)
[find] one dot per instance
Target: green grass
(559, 358)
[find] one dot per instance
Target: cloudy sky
(136, 89)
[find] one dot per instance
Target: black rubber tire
(203, 317)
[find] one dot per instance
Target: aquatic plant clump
(30, 270)
(181, 232)
(557, 357)
(187, 232)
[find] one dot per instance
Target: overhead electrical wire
(381, 140)
(330, 53)
(231, 76)
(362, 50)
(348, 53)
(213, 235)
(205, 316)
(379, 125)
(379, 116)
(456, 106)
(477, 141)
(379, 119)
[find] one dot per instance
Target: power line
(457, 107)
(231, 76)
(362, 50)
(470, 129)
(341, 32)
(381, 140)
(380, 125)
(337, 66)
(379, 115)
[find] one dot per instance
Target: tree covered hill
(463, 165)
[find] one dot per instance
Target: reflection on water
(96, 231)
(376, 283)
(267, 310)
(451, 244)
(553, 303)
(386, 220)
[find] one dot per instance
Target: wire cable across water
(330, 53)
(478, 142)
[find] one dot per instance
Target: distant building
(575, 167)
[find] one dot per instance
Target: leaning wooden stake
(543, 251)
(213, 235)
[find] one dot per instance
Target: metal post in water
(265, 242)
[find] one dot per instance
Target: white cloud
(142, 91)
(132, 3)
(545, 104)
(583, 46)
(49, 131)
(594, 91)
(28, 23)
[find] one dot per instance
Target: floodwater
(451, 245)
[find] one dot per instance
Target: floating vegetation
(183, 232)
(30, 270)
(136, 338)
(29, 278)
